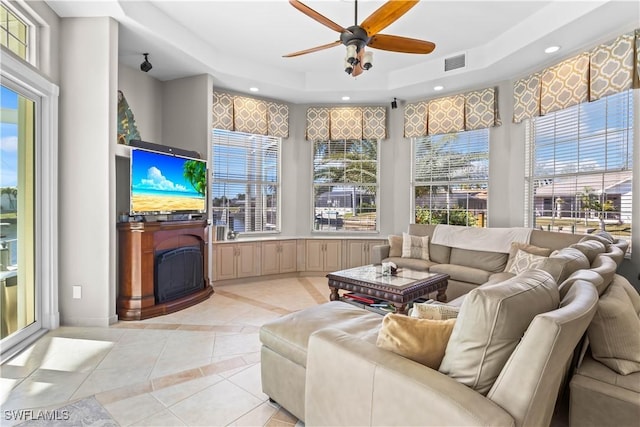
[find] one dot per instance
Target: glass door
(19, 296)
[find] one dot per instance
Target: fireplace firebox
(178, 273)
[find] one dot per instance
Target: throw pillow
(421, 340)
(395, 246)
(613, 332)
(532, 249)
(434, 311)
(492, 321)
(415, 246)
(524, 261)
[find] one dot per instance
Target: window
(345, 185)
(14, 32)
(450, 178)
(579, 176)
(246, 181)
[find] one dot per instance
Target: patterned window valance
(468, 111)
(250, 115)
(605, 70)
(324, 123)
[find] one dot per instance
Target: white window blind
(579, 168)
(450, 178)
(246, 181)
(345, 185)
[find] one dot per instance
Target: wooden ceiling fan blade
(385, 15)
(400, 44)
(317, 16)
(313, 49)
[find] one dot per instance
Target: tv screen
(163, 183)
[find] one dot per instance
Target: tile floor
(199, 366)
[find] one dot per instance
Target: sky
(8, 138)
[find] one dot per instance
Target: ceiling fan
(357, 37)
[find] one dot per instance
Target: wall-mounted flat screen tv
(163, 183)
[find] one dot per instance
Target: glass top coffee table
(398, 289)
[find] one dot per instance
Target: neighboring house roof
(618, 183)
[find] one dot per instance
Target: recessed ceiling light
(254, 89)
(438, 87)
(346, 98)
(552, 49)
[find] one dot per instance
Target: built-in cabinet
(358, 252)
(279, 257)
(323, 255)
(236, 260)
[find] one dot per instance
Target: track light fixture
(394, 104)
(146, 65)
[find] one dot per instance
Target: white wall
(88, 111)
(144, 96)
(186, 113)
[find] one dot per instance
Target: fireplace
(163, 267)
(178, 273)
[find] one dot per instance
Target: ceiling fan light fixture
(367, 60)
(352, 54)
(348, 67)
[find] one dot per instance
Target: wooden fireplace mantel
(138, 244)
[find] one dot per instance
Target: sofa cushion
(499, 277)
(600, 239)
(613, 332)
(415, 246)
(606, 267)
(461, 273)
(561, 264)
(395, 245)
(587, 275)
(492, 320)
(605, 235)
(524, 261)
(411, 263)
(532, 249)
(484, 260)
(596, 370)
(439, 253)
(434, 311)
(615, 253)
(421, 340)
(590, 248)
(289, 334)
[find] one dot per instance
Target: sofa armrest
(353, 382)
(378, 253)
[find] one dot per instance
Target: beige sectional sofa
(487, 263)
(326, 366)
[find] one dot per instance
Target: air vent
(455, 62)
